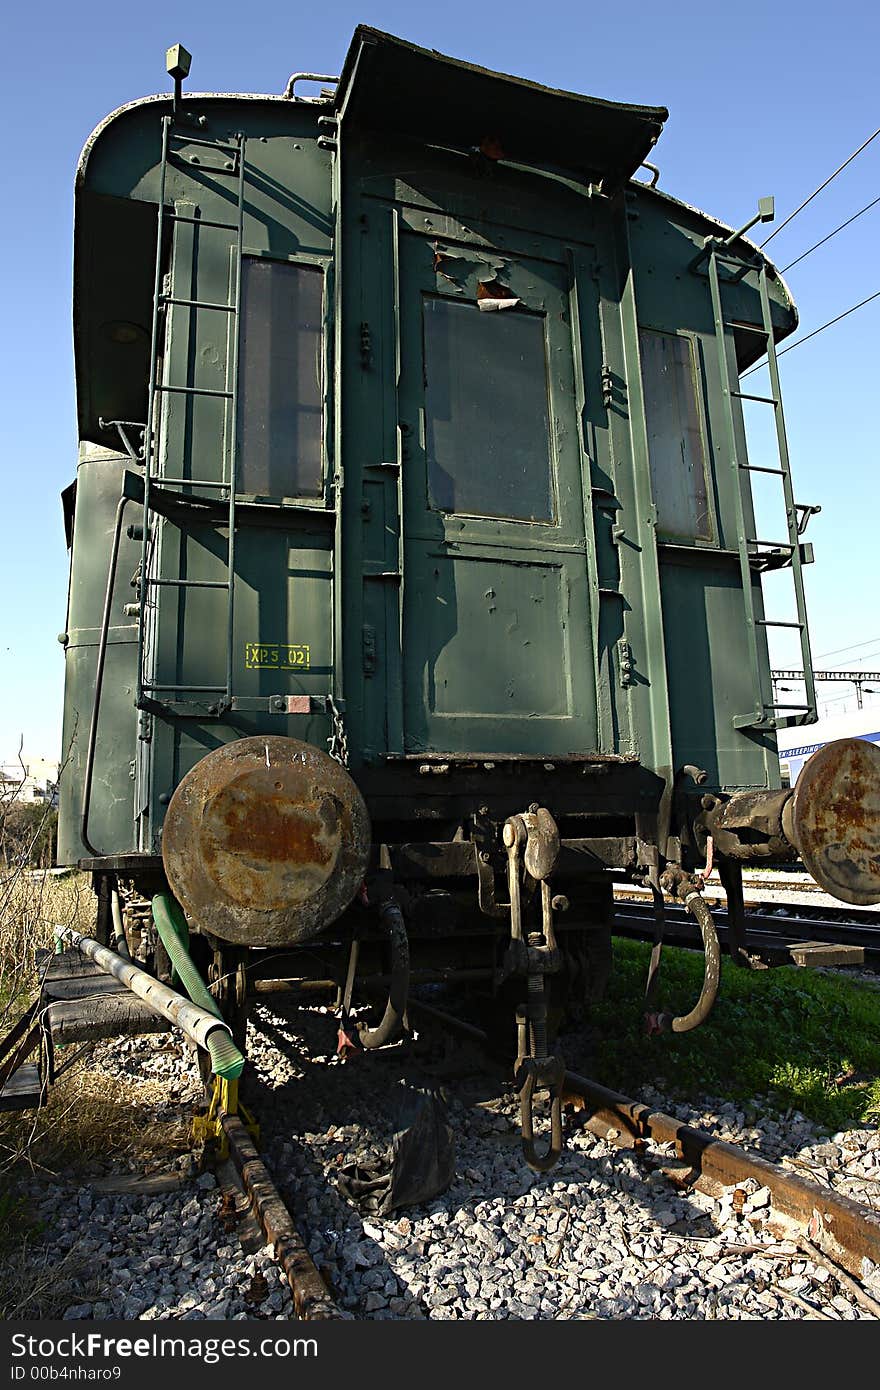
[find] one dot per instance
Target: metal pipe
(712, 971)
(99, 681)
(198, 1024)
(226, 1059)
(306, 985)
(306, 77)
(683, 1023)
(398, 992)
(119, 941)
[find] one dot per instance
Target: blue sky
(763, 98)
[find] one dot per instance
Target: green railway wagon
(416, 583)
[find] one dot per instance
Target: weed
(810, 1040)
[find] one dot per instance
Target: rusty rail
(843, 1229)
(311, 1297)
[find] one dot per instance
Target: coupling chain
(337, 743)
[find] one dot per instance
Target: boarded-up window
(487, 412)
(675, 437)
(280, 414)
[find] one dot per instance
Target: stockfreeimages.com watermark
(88, 1346)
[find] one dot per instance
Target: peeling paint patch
(491, 294)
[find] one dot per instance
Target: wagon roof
(387, 83)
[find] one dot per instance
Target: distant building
(29, 781)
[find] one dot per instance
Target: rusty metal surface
(311, 1297)
(835, 819)
(265, 841)
(748, 826)
(843, 1228)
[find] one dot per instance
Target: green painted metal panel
(111, 819)
(492, 562)
(709, 669)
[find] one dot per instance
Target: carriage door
(497, 640)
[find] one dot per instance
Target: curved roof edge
(165, 97)
(726, 230)
(365, 33)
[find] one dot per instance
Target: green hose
(226, 1060)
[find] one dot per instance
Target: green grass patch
(787, 1035)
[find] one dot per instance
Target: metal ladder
(172, 497)
(755, 555)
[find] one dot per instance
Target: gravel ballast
(601, 1236)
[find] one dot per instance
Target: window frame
(322, 500)
(665, 536)
(554, 521)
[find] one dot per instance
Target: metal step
(83, 1003)
(23, 1090)
(105, 1015)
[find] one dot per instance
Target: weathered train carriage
(410, 426)
(513, 533)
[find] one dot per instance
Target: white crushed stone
(597, 1237)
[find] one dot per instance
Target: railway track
(648, 1214)
(312, 1299)
(626, 1142)
(792, 938)
(848, 1231)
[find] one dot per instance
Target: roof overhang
(388, 84)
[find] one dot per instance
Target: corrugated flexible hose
(226, 1059)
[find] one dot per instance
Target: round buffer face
(265, 841)
(836, 819)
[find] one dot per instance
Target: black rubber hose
(99, 681)
(120, 945)
(398, 993)
(711, 973)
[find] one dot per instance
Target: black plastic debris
(419, 1165)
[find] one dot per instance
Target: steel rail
(845, 1230)
(311, 1297)
(765, 929)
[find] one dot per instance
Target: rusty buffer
(835, 819)
(265, 841)
(831, 819)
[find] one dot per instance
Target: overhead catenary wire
(816, 191)
(816, 331)
(856, 659)
(869, 641)
(847, 223)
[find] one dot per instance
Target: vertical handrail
(395, 689)
(99, 678)
(151, 446)
(788, 492)
(334, 455)
(232, 386)
(589, 511)
(745, 567)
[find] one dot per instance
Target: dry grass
(90, 1115)
(31, 904)
(35, 1285)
